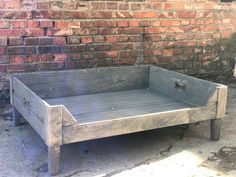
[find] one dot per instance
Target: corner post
(53, 131)
(220, 112)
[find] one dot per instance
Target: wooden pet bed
(77, 105)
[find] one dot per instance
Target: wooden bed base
(77, 105)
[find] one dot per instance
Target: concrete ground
(182, 151)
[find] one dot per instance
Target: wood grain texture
(28, 97)
(53, 160)
(53, 126)
(88, 81)
(25, 110)
(120, 104)
(222, 100)
(182, 87)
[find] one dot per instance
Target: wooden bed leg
(53, 160)
(215, 129)
(16, 116)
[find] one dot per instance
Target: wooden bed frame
(77, 105)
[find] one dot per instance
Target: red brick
(133, 23)
(3, 41)
(34, 32)
(46, 24)
(15, 41)
(2, 50)
(46, 14)
(60, 57)
(167, 52)
(32, 24)
(60, 32)
(174, 6)
(12, 4)
(101, 14)
(112, 5)
(133, 30)
(4, 24)
(155, 30)
(59, 40)
(111, 39)
(112, 54)
(187, 14)
(73, 14)
(98, 39)
(157, 6)
(123, 23)
(61, 24)
(32, 59)
(47, 57)
(124, 14)
(17, 59)
(105, 24)
(125, 61)
(17, 15)
(73, 25)
(31, 41)
(145, 15)
(136, 6)
(86, 40)
(43, 5)
(176, 29)
(97, 5)
(170, 23)
(123, 6)
(18, 24)
(11, 32)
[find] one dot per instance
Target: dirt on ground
(184, 151)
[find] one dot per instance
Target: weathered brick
(13, 4)
(105, 24)
(60, 32)
(31, 41)
(2, 68)
(42, 5)
(46, 24)
(18, 24)
(73, 40)
(46, 14)
(125, 61)
(98, 39)
(112, 54)
(50, 66)
(2, 50)
(59, 41)
(123, 23)
(60, 57)
(47, 57)
(3, 41)
(75, 48)
(4, 24)
(97, 5)
(13, 41)
(76, 64)
(45, 41)
(111, 5)
(17, 59)
(98, 47)
(187, 14)
(20, 67)
(86, 40)
(101, 15)
(45, 49)
(17, 15)
(73, 14)
(32, 24)
(111, 39)
(34, 32)
(123, 6)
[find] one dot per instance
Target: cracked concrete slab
(184, 151)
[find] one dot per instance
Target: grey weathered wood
(31, 118)
(182, 87)
(16, 117)
(72, 106)
(29, 98)
(53, 160)
(222, 99)
(215, 129)
(102, 106)
(53, 126)
(78, 82)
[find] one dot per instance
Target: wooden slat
(36, 104)
(29, 115)
(87, 81)
(102, 106)
(222, 99)
(188, 89)
(88, 131)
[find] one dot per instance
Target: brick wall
(191, 36)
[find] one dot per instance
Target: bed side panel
(185, 88)
(86, 81)
(32, 107)
(88, 131)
